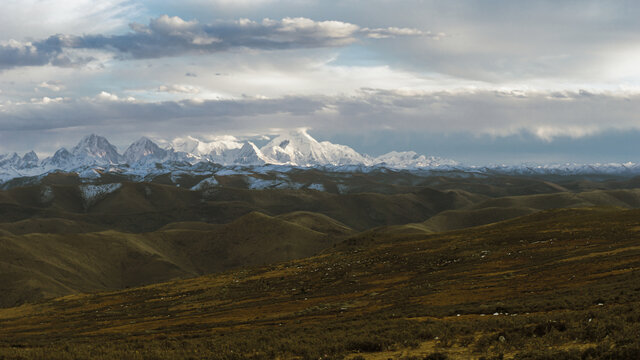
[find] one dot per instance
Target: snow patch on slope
(261, 184)
(279, 182)
(205, 184)
(91, 194)
(317, 187)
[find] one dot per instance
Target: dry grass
(384, 298)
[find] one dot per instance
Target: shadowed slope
(143, 207)
(37, 265)
(49, 226)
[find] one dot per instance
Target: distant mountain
(9, 160)
(297, 147)
(217, 150)
(94, 156)
(292, 148)
(144, 150)
(249, 154)
(96, 149)
(62, 159)
(410, 159)
(29, 160)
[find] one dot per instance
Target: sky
(480, 82)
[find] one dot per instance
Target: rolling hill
(75, 259)
(144, 207)
(57, 240)
(558, 284)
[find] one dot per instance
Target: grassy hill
(71, 257)
(502, 208)
(558, 284)
(54, 242)
(415, 267)
(144, 207)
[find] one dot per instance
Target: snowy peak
(249, 154)
(188, 145)
(94, 156)
(299, 148)
(60, 160)
(144, 150)
(98, 149)
(29, 160)
(221, 144)
(410, 159)
(9, 160)
(214, 148)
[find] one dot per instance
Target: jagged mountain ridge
(295, 148)
(94, 155)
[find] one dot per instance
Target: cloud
(46, 100)
(173, 36)
(488, 112)
(178, 89)
(391, 32)
(14, 53)
(51, 85)
(473, 112)
(240, 3)
(41, 18)
(108, 109)
(52, 51)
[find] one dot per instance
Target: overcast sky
(476, 81)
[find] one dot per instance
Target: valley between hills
(440, 266)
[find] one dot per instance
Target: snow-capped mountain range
(294, 148)
(95, 155)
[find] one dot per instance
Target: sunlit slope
(498, 209)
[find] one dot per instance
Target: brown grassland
(558, 284)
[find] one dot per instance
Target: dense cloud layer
(544, 115)
(172, 36)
